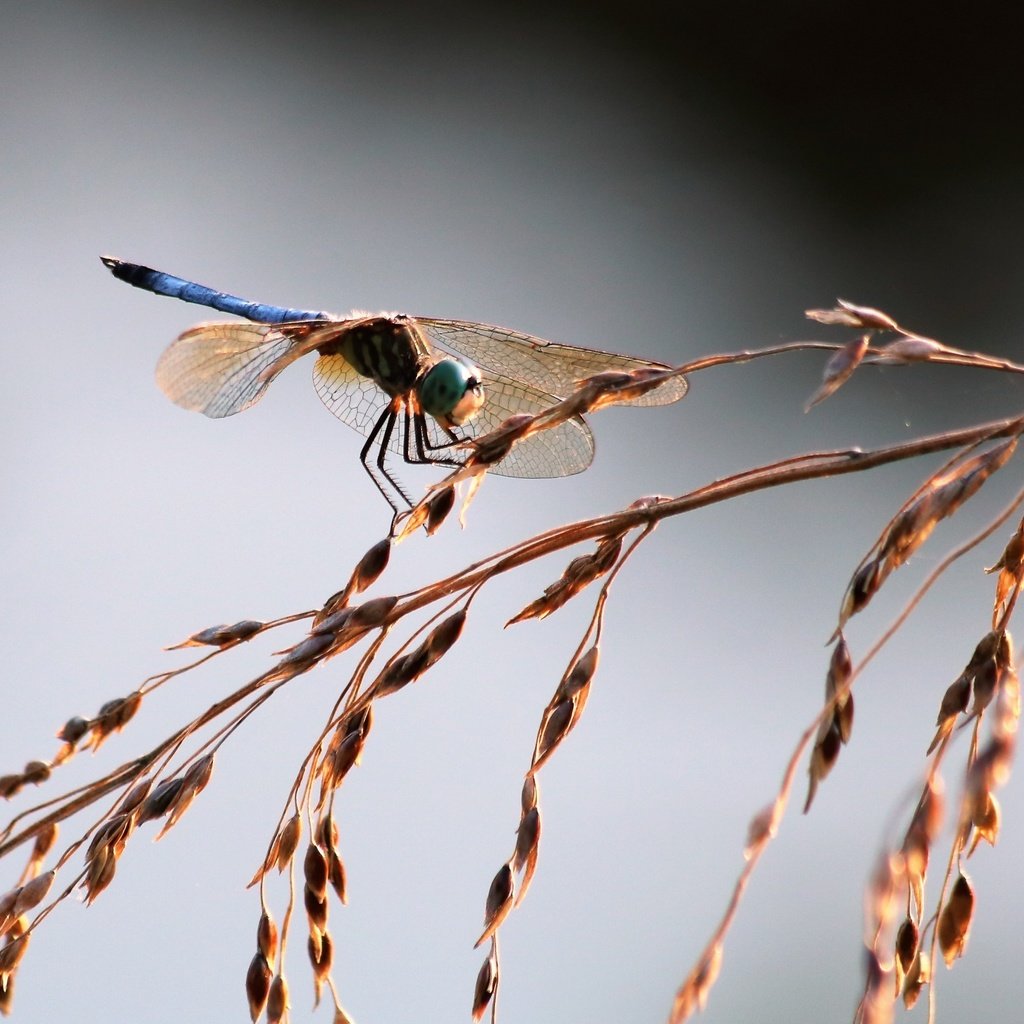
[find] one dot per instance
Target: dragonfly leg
(384, 427)
(424, 446)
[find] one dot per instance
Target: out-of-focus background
(667, 180)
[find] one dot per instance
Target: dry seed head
(581, 674)
(11, 954)
(99, 872)
(499, 902)
(985, 679)
(401, 671)
(10, 785)
(955, 920)
(314, 870)
(373, 612)
(486, 983)
(527, 838)
(985, 817)
(266, 939)
(36, 772)
(371, 565)
(327, 832)
(73, 730)
(277, 1000)
(257, 985)
(911, 349)
(157, 803)
(919, 975)
(316, 909)
(553, 730)
(530, 795)
(336, 876)
(321, 958)
(287, 841)
(693, 993)
(839, 369)
(438, 508)
(31, 894)
(193, 782)
(306, 653)
(45, 839)
(907, 941)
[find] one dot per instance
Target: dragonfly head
(451, 392)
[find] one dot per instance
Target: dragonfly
(414, 386)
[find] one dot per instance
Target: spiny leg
(384, 427)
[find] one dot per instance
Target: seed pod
(907, 940)
(321, 956)
(314, 869)
(257, 985)
(366, 572)
(31, 894)
(919, 975)
(277, 1000)
(11, 954)
(316, 909)
(45, 839)
(266, 939)
(287, 841)
(499, 902)
(438, 508)
(581, 674)
(336, 876)
(553, 730)
(443, 636)
(955, 920)
(486, 984)
(839, 369)
(372, 613)
(156, 804)
(73, 730)
(36, 772)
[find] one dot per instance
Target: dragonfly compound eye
(451, 392)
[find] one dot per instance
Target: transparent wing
(218, 369)
(546, 365)
(353, 398)
(561, 451)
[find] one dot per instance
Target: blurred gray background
(666, 181)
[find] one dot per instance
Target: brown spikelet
(578, 575)
(1010, 567)
(156, 804)
(911, 349)
(439, 506)
(220, 636)
(486, 985)
(693, 993)
(11, 954)
(839, 369)
(985, 819)
(321, 957)
(257, 985)
(327, 839)
(193, 782)
(370, 566)
(266, 939)
(847, 314)
(499, 902)
(113, 717)
(527, 849)
(277, 1000)
(919, 975)
(314, 870)
(908, 939)
(288, 841)
(31, 894)
(36, 772)
(554, 728)
(955, 920)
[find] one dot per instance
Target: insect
(397, 379)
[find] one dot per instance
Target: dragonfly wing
(545, 364)
(218, 369)
(563, 450)
(353, 398)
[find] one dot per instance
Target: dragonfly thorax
(451, 392)
(388, 351)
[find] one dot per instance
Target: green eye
(450, 392)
